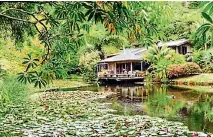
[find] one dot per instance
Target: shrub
(88, 62)
(177, 58)
(2, 71)
(179, 70)
(198, 57)
(175, 71)
(191, 68)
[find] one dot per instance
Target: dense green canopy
(68, 30)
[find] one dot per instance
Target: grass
(205, 77)
(13, 92)
(196, 88)
(73, 82)
(201, 83)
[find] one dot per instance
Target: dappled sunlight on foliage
(87, 63)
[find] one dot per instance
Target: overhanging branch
(14, 18)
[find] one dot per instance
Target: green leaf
(202, 28)
(203, 3)
(208, 7)
(36, 84)
(211, 11)
(88, 12)
(91, 15)
(212, 38)
(207, 17)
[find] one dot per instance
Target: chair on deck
(130, 74)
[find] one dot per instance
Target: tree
(61, 28)
(161, 58)
(154, 53)
(204, 34)
(58, 25)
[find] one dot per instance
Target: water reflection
(193, 108)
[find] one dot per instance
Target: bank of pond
(112, 110)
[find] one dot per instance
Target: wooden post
(131, 67)
(97, 69)
(115, 69)
(176, 49)
(141, 66)
(142, 96)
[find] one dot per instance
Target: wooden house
(129, 64)
(182, 46)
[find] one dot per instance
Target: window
(184, 50)
(102, 66)
(137, 66)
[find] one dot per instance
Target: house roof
(132, 54)
(174, 43)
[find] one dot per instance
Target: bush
(2, 71)
(198, 57)
(177, 58)
(185, 69)
(191, 68)
(175, 71)
(88, 62)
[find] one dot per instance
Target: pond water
(193, 108)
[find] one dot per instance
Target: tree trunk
(186, 4)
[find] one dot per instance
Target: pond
(193, 108)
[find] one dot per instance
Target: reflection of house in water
(128, 93)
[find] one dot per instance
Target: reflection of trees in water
(204, 107)
(162, 105)
(202, 113)
(126, 108)
(195, 108)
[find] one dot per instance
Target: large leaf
(202, 29)
(203, 3)
(211, 11)
(207, 17)
(208, 7)
(211, 38)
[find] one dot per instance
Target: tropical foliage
(204, 34)
(204, 59)
(12, 92)
(51, 34)
(61, 28)
(88, 62)
(186, 69)
(161, 59)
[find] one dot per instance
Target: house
(129, 64)
(182, 46)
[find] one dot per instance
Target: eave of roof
(174, 43)
(134, 54)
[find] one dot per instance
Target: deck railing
(142, 74)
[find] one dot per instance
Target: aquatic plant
(77, 114)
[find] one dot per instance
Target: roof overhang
(102, 61)
(175, 43)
